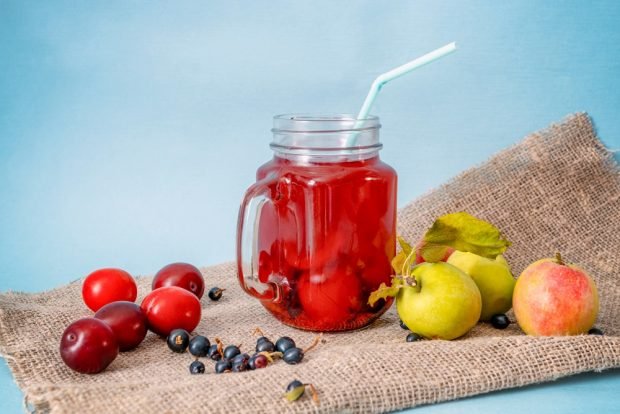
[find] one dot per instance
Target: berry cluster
(230, 358)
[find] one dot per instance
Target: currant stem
(258, 331)
(313, 391)
(316, 341)
(220, 347)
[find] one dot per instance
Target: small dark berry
(500, 321)
(178, 340)
(222, 365)
(199, 346)
(260, 361)
(197, 367)
(412, 337)
(251, 361)
(264, 346)
(402, 325)
(595, 331)
(294, 384)
(293, 356)
(240, 367)
(295, 390)
(240, 358)
(215, 293)
(214, 353)
(284, 343)
(231, 351)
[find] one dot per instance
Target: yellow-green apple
(445, 303)
(493, 278)
(554, 298)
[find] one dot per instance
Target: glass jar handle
(247, 241)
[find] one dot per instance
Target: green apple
(492, 277)
(444, 304)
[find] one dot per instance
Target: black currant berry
(595, 331)
(222, 365)
(240, 358)
(264, 346)
(197, 367)
(231, 351)
(402, 325)
(284, 343)
(178, 340)
(251, 365)
(294, 390)
(199, 346)
(412, 337)
(294, 384)
(500, 321)
(239, 367)
(214, 354)
(215, 293)
(293, 356)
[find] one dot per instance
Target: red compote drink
(317, 231)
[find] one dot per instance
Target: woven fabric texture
(557, 190)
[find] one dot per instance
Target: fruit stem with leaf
(459, 231)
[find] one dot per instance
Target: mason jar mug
(317, 231)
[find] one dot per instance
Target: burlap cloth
(557, 190)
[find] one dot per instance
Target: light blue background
(129, 130)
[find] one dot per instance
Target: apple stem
(558, 259)
(411, 281)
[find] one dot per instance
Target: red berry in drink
(128, 322)
(88, 346)
(183, 275)
(105, 286)
(331, 298)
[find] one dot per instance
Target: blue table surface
(129, 130)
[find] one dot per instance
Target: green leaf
(398, 282)
(407, 248)
(295, 393)
(406, 254)
(384, 292)
(398, 262)
(433, 253)
(464, 232)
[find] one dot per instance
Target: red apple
(553, 298)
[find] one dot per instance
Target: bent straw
(384, 78)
